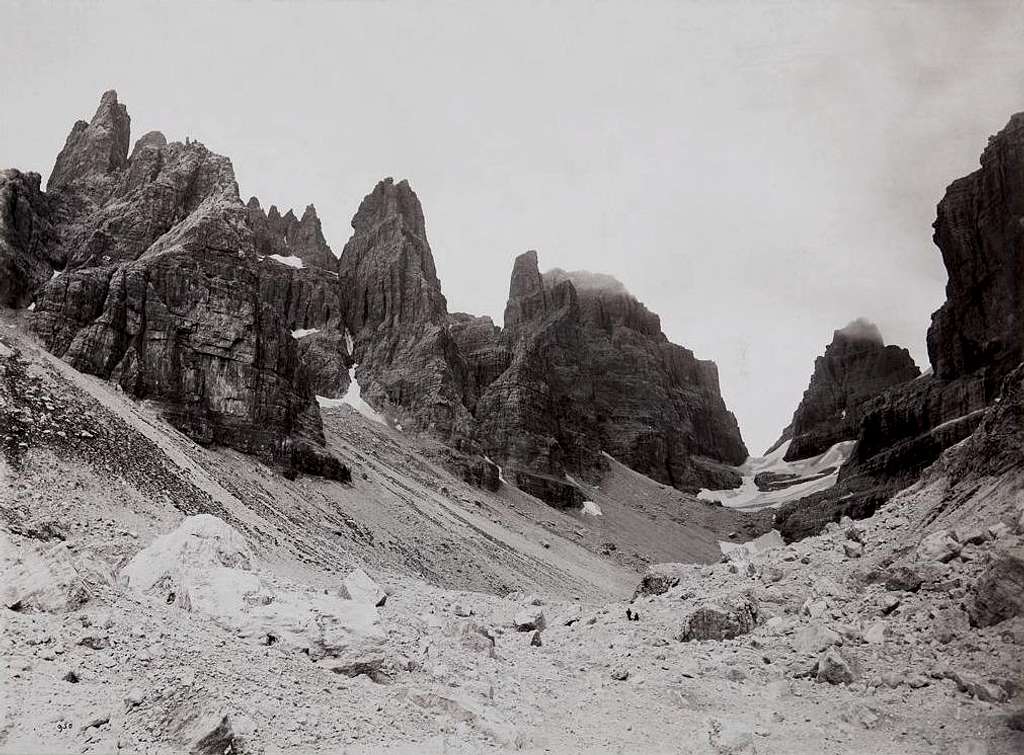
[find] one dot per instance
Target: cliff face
(145, 268)
(974, 342)
(856, 367)
(28, 241)
(408, 361)
(592, 373)
(980, 232)
(161, 291)
(536, 419)
(977, 337)
(288, 236)
(659, 408)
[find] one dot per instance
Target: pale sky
(759, 174)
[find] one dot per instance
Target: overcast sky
(757, 174)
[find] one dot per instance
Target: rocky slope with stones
(159, 596)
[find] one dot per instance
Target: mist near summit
(756, 175)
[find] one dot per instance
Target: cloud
(861, 329)
(584, 280)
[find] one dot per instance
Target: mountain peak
(95, 150)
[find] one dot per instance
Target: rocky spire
(306, 239)
(387, 265)
(856, 367)
(289, 236)
(95, 150)
(526, 293)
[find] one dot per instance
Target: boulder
(529, 619)
(877, 633)
(205, 566)
(745, 551)
(660, 578)
(44, 578)
(720, 620)
(904, 578)
(938, 546)
(998, 594)
(815, 638)
(835, 668)
(216, 734)
(360, 588)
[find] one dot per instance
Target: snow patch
(353, 397)
(290, 261)
(748, 497)
(303, 332)
(501, 474)
(592, 509)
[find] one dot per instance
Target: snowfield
(747, 497)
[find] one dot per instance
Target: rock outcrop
(409, 364)
(162, 290)
(288, 236)
(856, 367)
(975, 341)
(232, 320)
(660, 409)
(95, 153)
(537, 419)
(28, 241)
(980, 232)
(591, 372)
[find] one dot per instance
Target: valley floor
(88, 664)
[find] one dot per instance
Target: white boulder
(205, 566)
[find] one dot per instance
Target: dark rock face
(855, 368)
(997, 446)
(408, 359)
(388, 265)
(980, 231)
(312, 307)
(536, 419)
(974, 343)
(164, 294)
(28, 241)
(174, 289)
(95, 153)
(999, 594)
(289, 236)
(659, 408)
(591, 372)
(480, 343)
